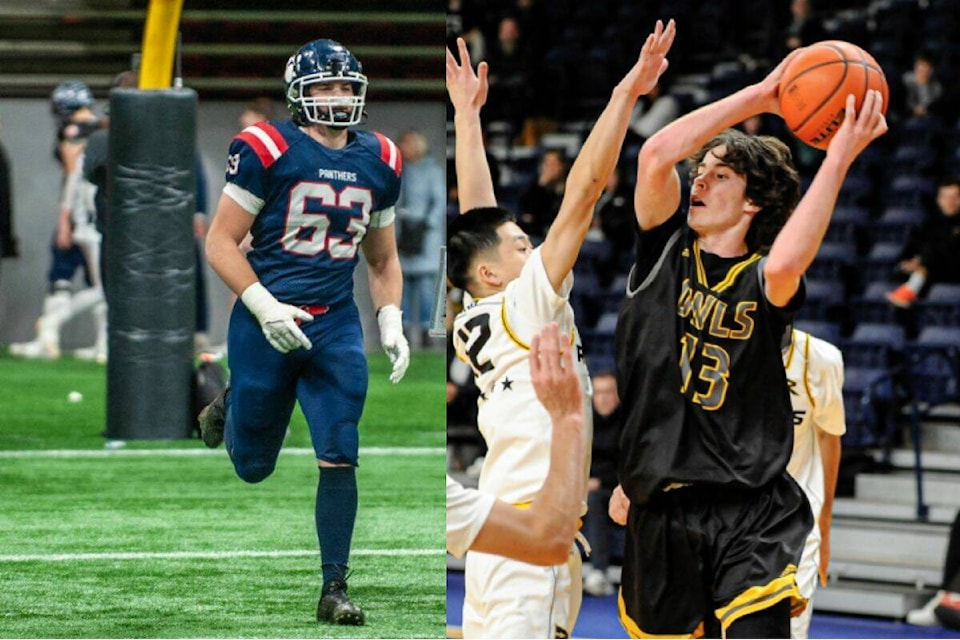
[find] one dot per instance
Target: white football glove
(390, 319)
(277, 320)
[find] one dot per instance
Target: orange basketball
(815, 86)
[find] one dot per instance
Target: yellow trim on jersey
(732, 273)
(790, 349)
(759, 598)
(636, 632)
(806, 373)
(506, 325)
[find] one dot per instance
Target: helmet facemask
(332, 111)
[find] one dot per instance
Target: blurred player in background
(815, 377)
(542, 534)
(312, 193)
(76, 241)
(515, 290)
(707, 426)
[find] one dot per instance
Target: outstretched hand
(858, 130)
(645, 74)
(467, 89)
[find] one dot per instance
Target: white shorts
(509, 599)
(808, 575)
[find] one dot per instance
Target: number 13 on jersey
(714, 372)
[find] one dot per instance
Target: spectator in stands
(540, 203)
(420, 214)
(258, 110)
(923, 90)
(944, 608)
(614, 216)
(932, 252)
(510, 77)
(8, 241)
(597, 526)
(653, 112)
(804, 28)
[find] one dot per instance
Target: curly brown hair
(772, 180)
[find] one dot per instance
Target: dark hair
(772, 181)
(470, 234)
(948, 181)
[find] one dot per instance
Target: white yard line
(205, 555)
(174, 453)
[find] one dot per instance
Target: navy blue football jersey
(312, 204)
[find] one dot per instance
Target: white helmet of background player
(69, 97)
(324, 61)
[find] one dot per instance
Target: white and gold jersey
(815, 377)
(493, 336)
(467, 511)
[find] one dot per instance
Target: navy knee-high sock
(336, 513)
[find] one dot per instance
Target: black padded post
(149, 260)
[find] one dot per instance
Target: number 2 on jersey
(715, 371)
(320, 238)
(481, 321)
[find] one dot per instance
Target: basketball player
(544, 533)
(814, 371)
(514, 290)
(815, 378)
(716, 525)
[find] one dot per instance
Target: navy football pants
(330, 381)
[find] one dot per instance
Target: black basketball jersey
(701, 378)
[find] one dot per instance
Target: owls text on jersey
(313, 205)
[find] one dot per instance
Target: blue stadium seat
(934, 361)
(846, 223)
(599, 341)
(874, 345)
(896, 222)
(873, 306)
(833, 262)
(865, 389)
(880, 262)
(829, 331)
(940, 307)
(823, 299)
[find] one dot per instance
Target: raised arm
(468, 93)
(599, 154)
(657, 193)
(799, 240)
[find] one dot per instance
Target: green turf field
(160, 539)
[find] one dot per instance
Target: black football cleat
(335, 607)
(212, 420)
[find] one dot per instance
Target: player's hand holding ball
(390, 319)
(277, 320)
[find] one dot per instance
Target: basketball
(815, 85)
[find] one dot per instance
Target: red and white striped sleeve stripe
(265, 141)
(389, 153)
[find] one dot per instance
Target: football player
(515, 290)
(313, 193)
(76, 242)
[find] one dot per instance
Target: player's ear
(488, 276)
(750, 208)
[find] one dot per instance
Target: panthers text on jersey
(493, 335)
(313, 205)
